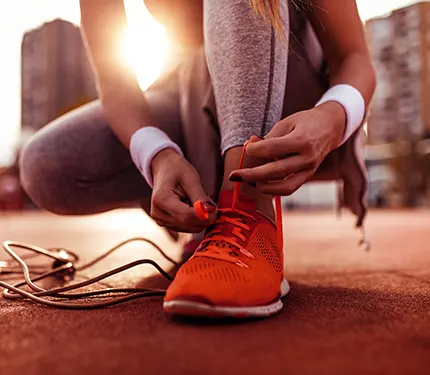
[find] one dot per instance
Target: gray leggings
(214, 99)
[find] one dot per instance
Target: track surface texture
(349, 312)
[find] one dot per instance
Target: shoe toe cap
(257, 289)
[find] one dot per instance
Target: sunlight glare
(145, 43)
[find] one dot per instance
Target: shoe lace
(66, 265)
(278, 203)
(238, 219)
(215, 240)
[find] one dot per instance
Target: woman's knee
(48, 162)
(42, 175)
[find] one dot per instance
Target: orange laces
(278, 203)
(210, 246)
(234, 242)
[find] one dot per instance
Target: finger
(273, 171)
(287, 186)
(277, 148)
(183, 214)
(203, 209)
(194, 190)
(281, 128)
(267, 149)
(160, 216)
(164, 219)
(255, 138)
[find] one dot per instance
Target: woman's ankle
(263, 202)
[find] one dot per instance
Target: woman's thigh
(76, 164)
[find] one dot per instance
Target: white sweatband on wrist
(145, 144)
(353, 103)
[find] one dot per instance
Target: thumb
(255, 139)
(203, 204)
(281, 128)
(272, 147)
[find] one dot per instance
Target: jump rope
(66, 266)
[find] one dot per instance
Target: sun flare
(145, 43)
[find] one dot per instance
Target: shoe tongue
(243, 202)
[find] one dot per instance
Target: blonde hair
(269, 10)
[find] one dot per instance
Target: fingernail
(210, 206)
(235, 178)
(253, 184)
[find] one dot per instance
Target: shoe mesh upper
(211, 270)
(264, 242)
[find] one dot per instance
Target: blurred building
(400, 48)
(56, 74)
(400, 112)
(56, 78)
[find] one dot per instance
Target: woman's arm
(103, 24)
(301, 141)
(340, 31)
(127, 111)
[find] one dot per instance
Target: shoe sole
(191, 308)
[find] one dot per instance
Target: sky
(19, 16)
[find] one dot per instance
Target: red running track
(349, 312)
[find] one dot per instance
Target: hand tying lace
(227, 232)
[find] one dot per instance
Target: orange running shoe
(237, 271)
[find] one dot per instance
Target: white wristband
(145, 144)
(353, 103)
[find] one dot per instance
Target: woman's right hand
(176, 187)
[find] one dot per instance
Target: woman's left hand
(298, 144)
